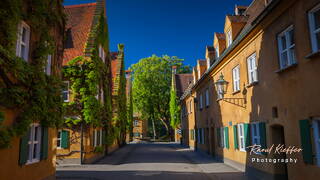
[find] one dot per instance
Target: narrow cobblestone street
(154, 161)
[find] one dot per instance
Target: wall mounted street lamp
(221, 86)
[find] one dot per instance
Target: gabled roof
(220, 35)
(237, 18)
(182, 83)
(79, 22)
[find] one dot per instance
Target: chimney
(174, 69)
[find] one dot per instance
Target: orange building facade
(262, 91)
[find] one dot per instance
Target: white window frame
(22, 25)
(316, 139)
(291, 57)
(222, 139)
(229, 38)
(252, 68)
(241, 137)
(207, 98)
(217, 51)
(47, 69)
(66, 91)
(59, 139)
(255, 133)
(97, 142)
(201, 102)
(236, 78)
(102, 53)
(313, 30)
(135, 123)
(34, 141)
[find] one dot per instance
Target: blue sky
(180, 28)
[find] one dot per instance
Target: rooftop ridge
(80, 5)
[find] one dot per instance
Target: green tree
(174, 109)
(151, 88)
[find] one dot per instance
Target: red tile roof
(79, 23)
(220, 35)
(182, 83)
(114, 63)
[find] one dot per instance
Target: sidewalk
(214, 169)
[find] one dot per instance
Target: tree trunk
(154, 129)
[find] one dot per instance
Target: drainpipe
(81, 144)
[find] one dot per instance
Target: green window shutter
(235, 137)
(306, 143)
(263, 135)
(64, 139)
(44, 143)
(226, 136)
(24, 148)
(246, 128)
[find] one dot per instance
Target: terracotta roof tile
(220, 35)
(182, 83)
(238, 18)
(79, 22)
(114, 63)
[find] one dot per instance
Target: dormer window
(23, 38)
(229, 38)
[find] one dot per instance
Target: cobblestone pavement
(151, 161)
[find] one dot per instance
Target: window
(316, 136)
(201, 102)
(97, 137)
(222, 139)
(252, 69)
(47, 69)
(59, 139)
(217, 51)
(34, 143)
(192, 134)
(207, 98)
(200, 135)
(255, 133)
(229, 38)
(236, 78)
(314, 23)
(65, 91)
(241, 137)
(23, 38)
(135, 123)
(101, 53)
(286, 48)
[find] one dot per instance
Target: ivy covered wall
(24, 87)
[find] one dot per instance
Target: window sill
(252, 84)
(236, 92)
(287, 68)
(32, 162)
(313, 55)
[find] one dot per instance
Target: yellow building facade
(270, 69)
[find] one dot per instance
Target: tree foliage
(151, 87)
(174, 109)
